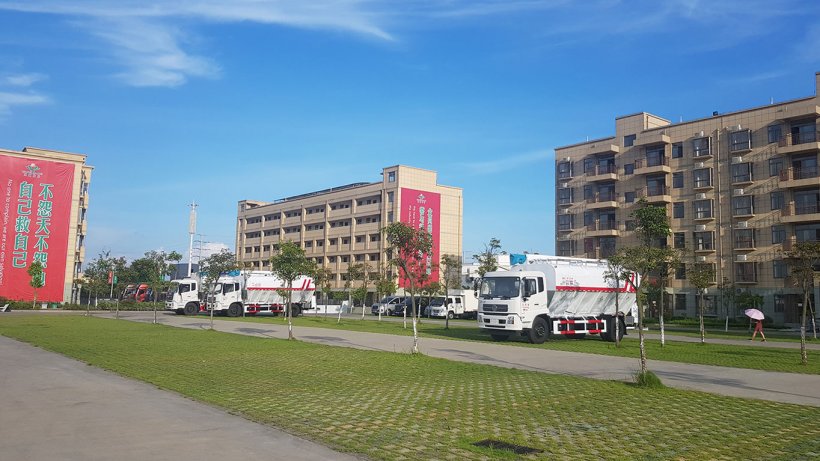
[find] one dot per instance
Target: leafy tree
(154, 267)
(212, 267)
(359, 272)
(38, 279)
(488, 259)
(616, 273)
(451, 279)
(288, 263)
(323, 278)
(728, 296)
(431, 290)
(408, 246)
(652, 224)
(385, 285)
(701, 278)
(803, 258)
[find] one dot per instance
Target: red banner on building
(35, 200)
(422, 210)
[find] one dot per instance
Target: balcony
(744, 244)
(603, 200)
(800, 177)
(742, 179)
(798, 144)
(703, 184)
(655, 194)
(793, 213)
(602, 173)
(565, 228)
(564, 201)
(704, 215)
(605, 148)
(652, 165)
(705, 247)
(654, 137)
(606, 228)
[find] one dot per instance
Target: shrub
(648, 380)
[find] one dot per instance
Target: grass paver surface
(726, 355)
(402, 407)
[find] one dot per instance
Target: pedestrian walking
(758, 327)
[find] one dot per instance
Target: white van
(387, 306)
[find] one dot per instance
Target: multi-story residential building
(342, 225)
(740, 188)
(45, 205)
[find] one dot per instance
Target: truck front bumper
(508, 322)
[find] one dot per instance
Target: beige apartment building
(342, 225)
(45, 207)
(740, 188)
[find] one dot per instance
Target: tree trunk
(415, 349)
(290, 312)
(700, 315)
(641, 338)
(660, 319)
(617, 313)
(804, 358)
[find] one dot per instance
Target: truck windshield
(500, 287)
(173, 289)
(437, 302)
(184, 287)
(228, 288)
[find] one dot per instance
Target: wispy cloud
(506, 163)
(15, 91)
(9, 100)
(21, 80)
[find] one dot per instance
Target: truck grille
(494, 308)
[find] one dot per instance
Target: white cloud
(506, 163)
(9, 100)
(21, 80)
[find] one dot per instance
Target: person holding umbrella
(756, 315)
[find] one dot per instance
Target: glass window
(589, 218)
(677, 210)
(564, 170)
(703, 209)
(589, 165)
(702, 146)
(629, 140)
(565, 221)
(589, 193)
(677, 180)
(775, 133)
(631, 224)
(566, 247)
(629, 197)
(806, 201)
(741, 172)
(778, 234)
(680, 240)
(779, 269)
(390, 196)
(391, 176)
(565, 196)
(746, 272)
(743, 206)
(629, 168)
(740, 140)
(777, 200)
(807, 232)
(744, 238)
(779, 303)
(703, 177)
(655, 156)
(677, 150)
(704, 240)
(680, 302)
(680, 274)
(775, 166)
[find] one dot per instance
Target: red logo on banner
(422, 210)
(35, 200)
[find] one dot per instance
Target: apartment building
(342, 225)
(740, 189)
(45, 206)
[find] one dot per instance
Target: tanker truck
(542, 296)
(255, 292)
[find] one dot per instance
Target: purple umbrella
(754, 313)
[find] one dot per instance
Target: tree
(156, 268)
(409, 247)
(652, 224)
(212, 267)
(38, 279)
(359, 272)
(288, 263)
(488, 259)
(323, 277)
(385, 285)
(728, 296)
(803, 258)
(701, 278)
(616, 273)
(451, 279)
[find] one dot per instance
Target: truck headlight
(511, 320)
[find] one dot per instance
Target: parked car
(387, 305)
(421, 303)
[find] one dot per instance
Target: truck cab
(183, 297)
(512, 301)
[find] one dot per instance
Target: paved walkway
(56, 408)
(766, 385)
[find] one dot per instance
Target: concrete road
(775, 386)
(56, 408)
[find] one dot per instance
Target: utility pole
(191, 232)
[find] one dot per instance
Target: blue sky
(220, 101)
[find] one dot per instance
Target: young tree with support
(38, 279)
(804, 257)
(702, 277)
(488, 259)
(288, 264)
(451, 279)
(385, 285)
(213, 266)
(324, 281)
(409, 247)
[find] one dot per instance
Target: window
(565, 222)
(744, 238)
(345, 259)
(741, 172)
(629, 168)
(702, 146)
(680, 274)
(779, 269)
(704, 241)
(589, 193)
(564, 170)
(655, 156)
(375, 237)
(331, 259)
(680, 240)
(331, 242)
(775, 166)
(777, 200)
(740, 140)
(807, 232)
(677, 210)
(778, 234)
(703, 177)
(631, 224)
(589, 218)
(743, 206)
(359, 258)
(775, 133)
(703, 209)
(389, 216)
(345, 241)
(806, 201)
(589, 165)
(677, 180)
(391, 176)
(629, 197)
(629, 140)
(677, 150)
(565, 196)
(309, 244)
(680, 302)
(779, 303)
(566, 247)
(390, 196)
(746, 272)
(359, 238)
(607, 246)
(320, 243)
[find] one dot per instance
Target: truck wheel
(499, 337)
(450, 315)
(191, 309)
(235, 310)
(539, 332)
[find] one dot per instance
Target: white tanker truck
(550, 295)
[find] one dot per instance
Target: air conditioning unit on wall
(738, 192)
(740, 258)
(742, 224)
(737, 159)
(698, 165)
(700, 228)
(701, 259)
(700, 196)
(567, 159)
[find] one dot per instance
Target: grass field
(746, 356)
(403, 407)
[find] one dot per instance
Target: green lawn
(403, 407)
(746, 356)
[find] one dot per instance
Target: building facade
(342, 225)
(740, 189)
(45, 207)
